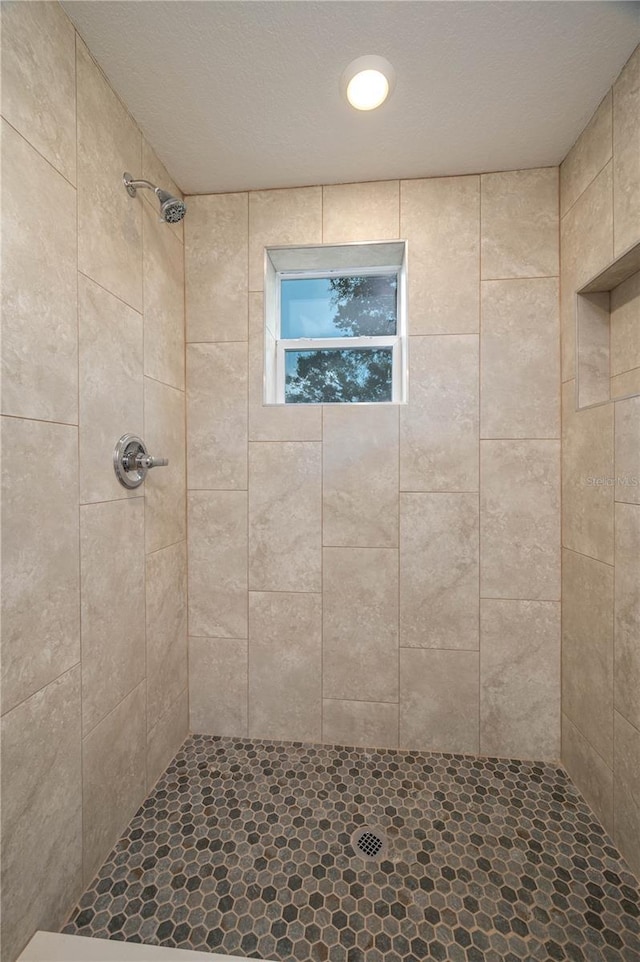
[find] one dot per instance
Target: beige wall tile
(285, 666)
(587, 462)
(164, 489)
(360, 475)
(627, 612)
(111, 389)
(520, 223)
(439, 426)
(274, 422)
(41, 812)
(365, 723)
(592, 777)
(520, 359)
(113, 628)
(360, 212)
(166, 737)
(154, 170)
(520, 679)
(592, 351)
(113, 778)
(218, 564)
(627, 448)
(109, 221)
(587, 649)
(520, 519)
(440, 218)
(285, 516)
(218, 683)
(216, 273)
(163, 278)
(39, 81)
(217, 415)
(39, 300)
(626, 791)
(280, 218)
(587, 157)
(439, 571)
(166, 607)
(625, 326)
(360, 624)
(40, 558)
(439, 700)
(626, 154)
(627, 384)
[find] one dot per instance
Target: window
(335, 324)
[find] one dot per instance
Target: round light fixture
(367, 82)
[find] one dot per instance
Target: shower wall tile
(625, 384)
(520, 679)
(113, 777)
(360, 624)
(218, 680)
(624, 330)
(520, 519)
(360, 475)
(280, 218)
(592, 776)
(361, 212)
(154, 170)
(40, 570)
(218, 564)
(217, 415)
(440, 217)
(365, 723)
(439, 426)
(626, 154)
(111, 389)
(627, 613)
(626, 790)
(591, 151)
(520, 359)
(627, 450)
(39, 82)
(113, 619)
(163, 277)
(285, 665)
(520, 223)
(39, 299)
(439, 571)
(439, 700)
(41, 812)
(216, 253)
(285, 516)
(166, 737)
(164, 488)
(109, 221)
(166, 608)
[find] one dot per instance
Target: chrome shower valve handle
(131, 461)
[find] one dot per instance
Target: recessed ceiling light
(367, 82)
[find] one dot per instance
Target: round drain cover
(369, 842)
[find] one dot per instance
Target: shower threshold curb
(54, 947)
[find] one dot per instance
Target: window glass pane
(340, 374)
(355, 306)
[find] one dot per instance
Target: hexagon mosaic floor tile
(247, 848)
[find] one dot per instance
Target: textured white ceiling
(237, 95)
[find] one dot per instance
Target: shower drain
(369, 842)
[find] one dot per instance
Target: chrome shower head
(172, 210)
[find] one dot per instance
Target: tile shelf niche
(608, 333)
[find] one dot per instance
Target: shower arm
(132, 185)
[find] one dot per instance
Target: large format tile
(360, 475)
(154, 170)
(626, 791)
(113, 622)
(166, 606)
(589, 772)
(520, 679)
(626, 154)
(624, 329)
(40, 558)
(627, 612)
(520, 359)
(587, 649)
(360, 624)
(439, 700)
(164, 488)
(163, 280)
(587, 157)
(360, 212)
(39, 301)
(109, 221)
(520, 519)
(627, 450)
(367, 723)
(285, 665)
(215, 256)
(439, 571)
(285, 516)
(166, 737)
(218, 564)
(520, 223)
(39, 82)
(111, 391)
(439, 426)
(218, 681)
(281, 218)
(217, 415)
(41, 812)
(113, 777)
(440, 218)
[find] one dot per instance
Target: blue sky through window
(313, 307)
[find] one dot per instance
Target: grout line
(480, 332)
(64, 424)
(137, 310)
(583, 555)
(52, 681)
(48, 162)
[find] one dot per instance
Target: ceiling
(238, 95)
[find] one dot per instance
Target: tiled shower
(449, 588)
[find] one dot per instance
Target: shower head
(172, 210)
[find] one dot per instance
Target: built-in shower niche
(608, 333)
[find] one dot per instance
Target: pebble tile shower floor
(244, 848)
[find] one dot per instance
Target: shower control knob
(131, 461)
